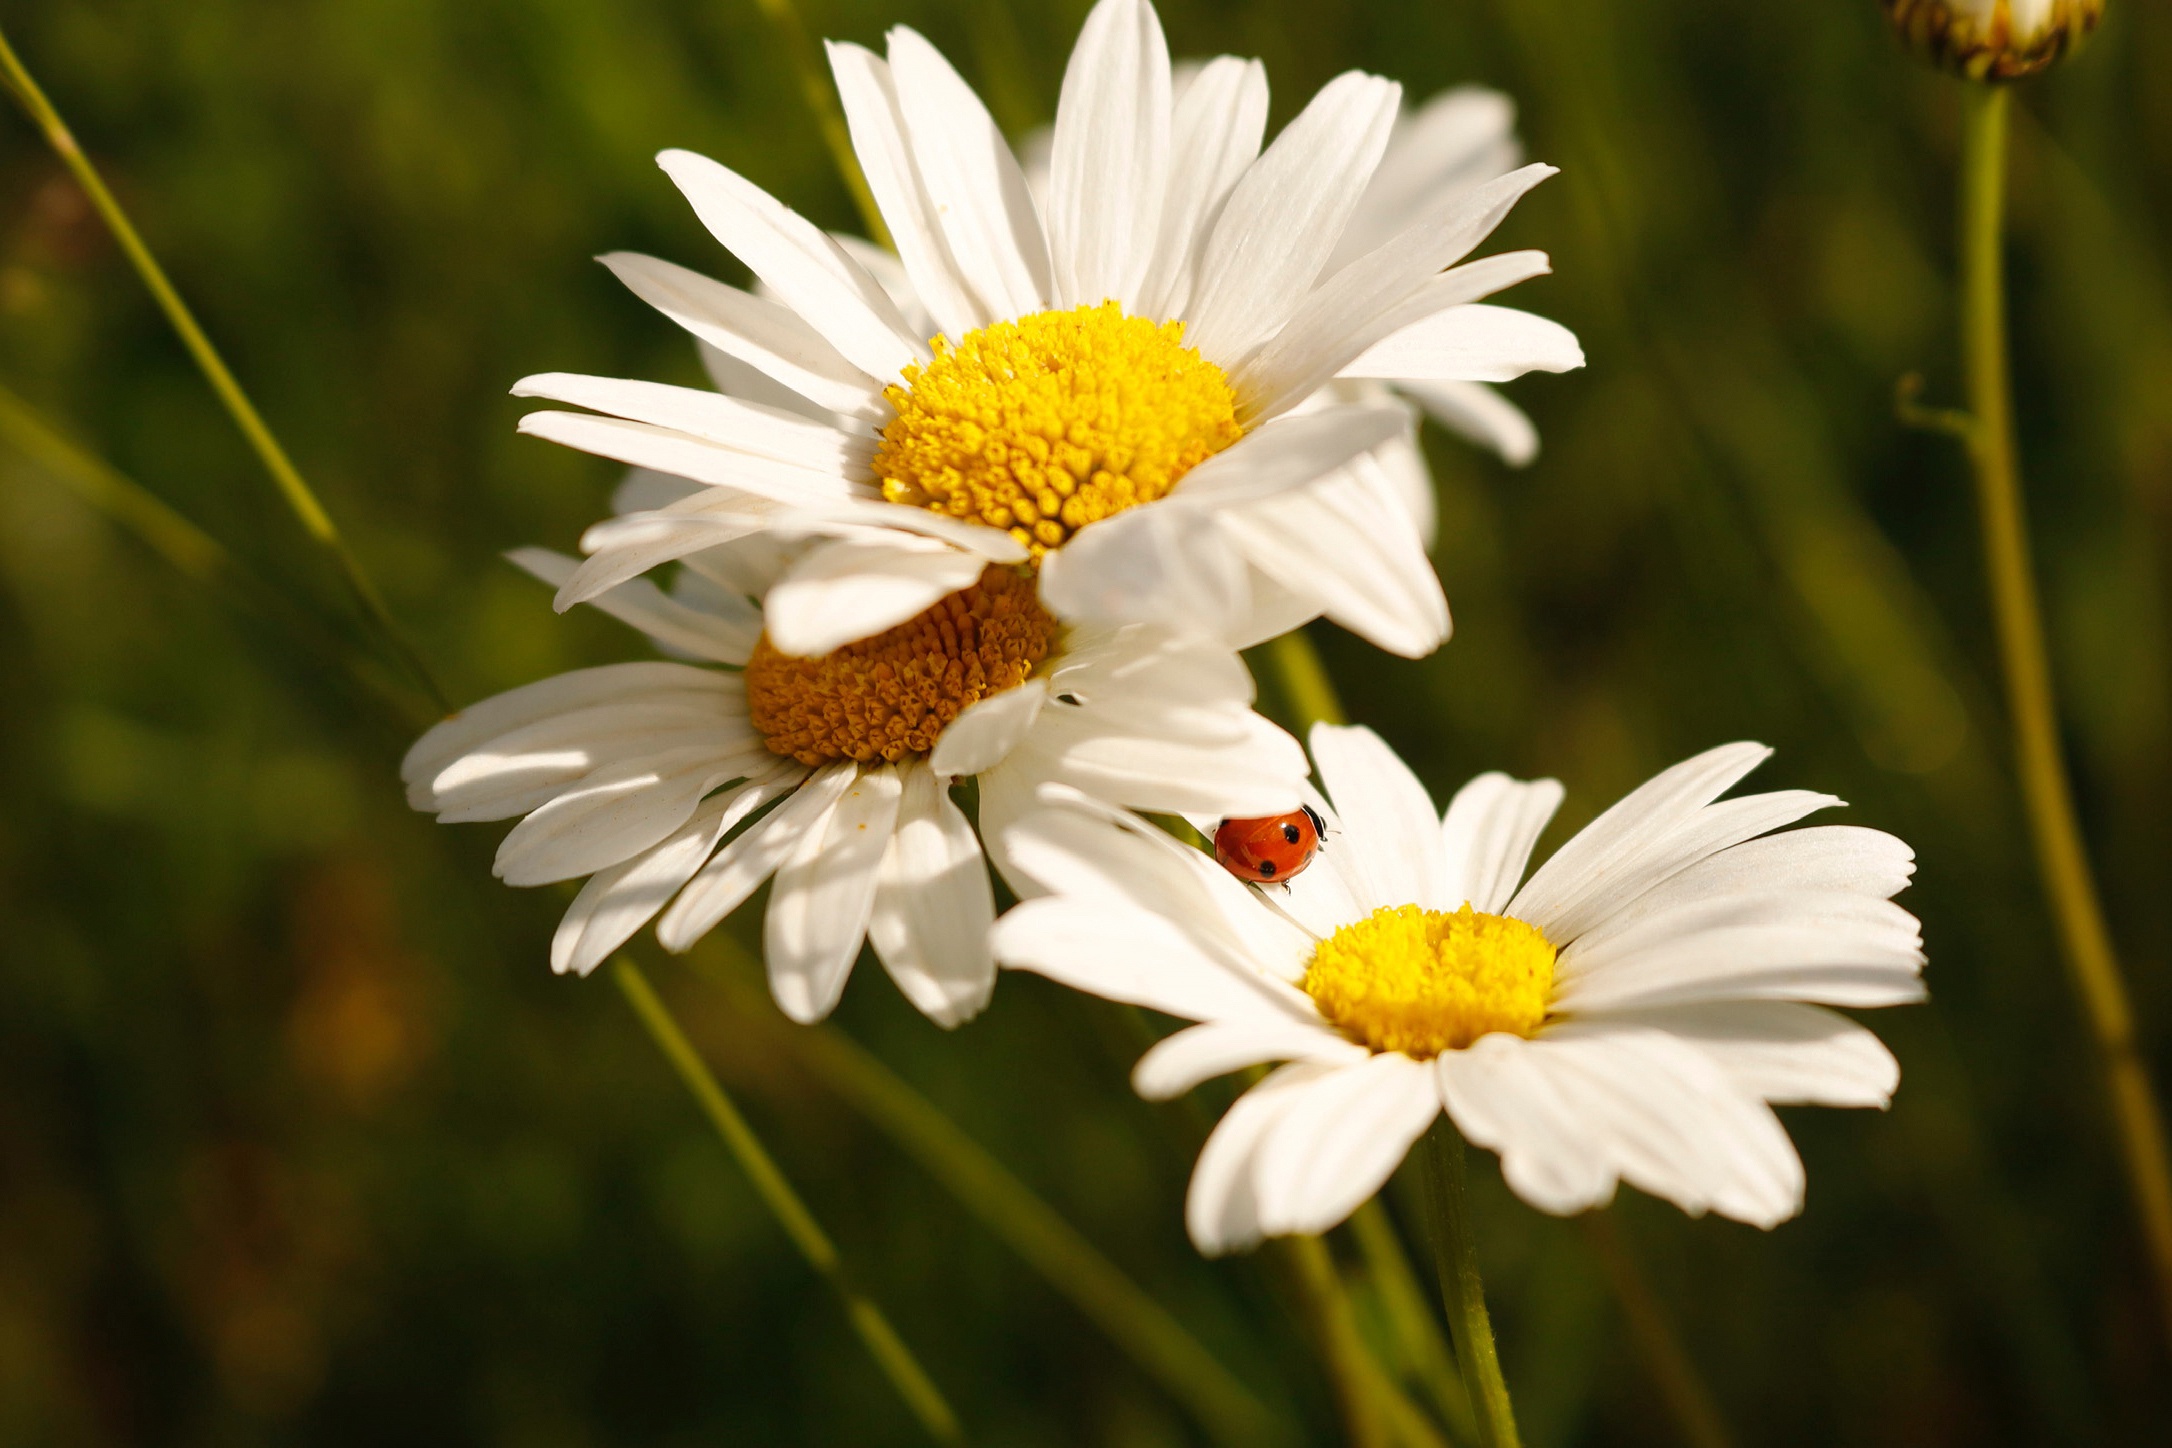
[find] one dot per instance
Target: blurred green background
(300, 1141)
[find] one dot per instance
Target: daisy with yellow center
(1120, 387)
(678, 788)
(1631, 1012)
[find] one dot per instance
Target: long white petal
(726, 639)
(1177, 1063)
(738, 870)
(854, 588)
(933, 904)
(1341, 1142)
(757, 331)
(1392, 833)
(1285, 215)
(869, 93)
(1487, 836)
(728, 421)
(669, 450)
(1221, 1210)
(1476, 412)
(1139, 958)
(1109, 166)
(808, 271)
(973, 182)
(1453, 142)
(612, 814)
(1476, 342)
(1668, 798)
(824, 894)
(1220, 119)
(1783, 1051)
(618, 901)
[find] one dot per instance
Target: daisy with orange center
(677, 789)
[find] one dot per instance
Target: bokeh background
(300, 1141)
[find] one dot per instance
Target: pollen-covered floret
(892, 695)
(1426, 981)
(1045, 424)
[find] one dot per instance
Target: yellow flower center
(1043, 425)
(1426, 981)
(893, 694)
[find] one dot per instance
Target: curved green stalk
(2069, 886)
(1463, 1291)
(1135, 1322)
(285, 476)
(888, 1349)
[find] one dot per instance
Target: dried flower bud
(1993, 40)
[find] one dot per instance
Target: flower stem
(1307, 692)
(829, 117)
(1463, 1291)
(1425, 1349)
(2063, 864)
(1664, 1357)
(1156, 1341)
(285, 476)
(888, 1349)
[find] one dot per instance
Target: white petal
(724, 639)
(1285, 215)
(824, 894)
(854, 588)
(869, 94)
(1161, 564)
(1221, 1210)
(1583, 865)
(618, 901)
(1346, 545)
(1475, 411)
(1487, 836)
(973, 183)
(524, 768)
(808, 271)
(1391, 831)
(1471, 343)
(1843, 859)
(1454, 141)
(1179, 1062)
(612, 814)
(1340, 1142)
(933, 904)
(744, 380)
(1501, 1096)
(462, 733)
(669, 450)
(738, 870)
(753, 329)
(1841, 949)
(1139, 958)
(745, 426)
(1109, 164)
(1288, 453)
(1784, 1052)
(987, 730)
(1220, 119)
(1403, 279)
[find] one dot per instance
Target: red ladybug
(1272, 849)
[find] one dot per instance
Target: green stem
(1356, 1377)
(888, 1349)
(1156, 1341)
(314, 519)
(1425, 1350)
(2069, 887)
(1463, 1291)
(1307, 691)
(1665, 1359)
(829, 117)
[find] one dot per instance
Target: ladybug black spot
(1267, 869)
(1289, 834)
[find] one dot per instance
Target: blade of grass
(285, 476)
(1134, 1321)
(883, 1344)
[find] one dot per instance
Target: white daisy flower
(1114, 394)
(644, 777)
(1626, 1014)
